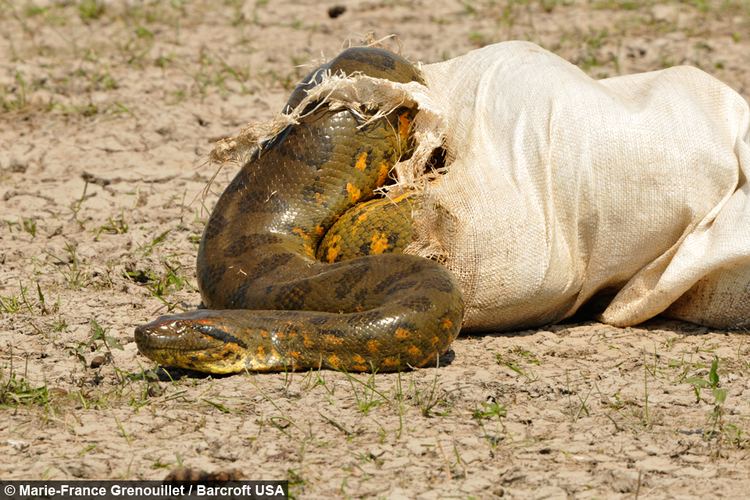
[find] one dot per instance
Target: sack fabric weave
(559, 187)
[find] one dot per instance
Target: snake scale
(299, 264)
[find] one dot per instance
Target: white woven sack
(559, 187)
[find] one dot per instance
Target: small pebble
(154, 390)
(17, 444)
(18, 166)
(98, 361)
(336, 11)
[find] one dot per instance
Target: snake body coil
(297, 268)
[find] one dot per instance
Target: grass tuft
(17, 391)
(90, 10)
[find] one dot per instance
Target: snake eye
(218, 334)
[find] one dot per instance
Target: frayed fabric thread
(370, 99)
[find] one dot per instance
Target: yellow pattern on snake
(298, 270)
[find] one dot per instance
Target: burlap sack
(558, 187)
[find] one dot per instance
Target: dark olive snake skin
(297, 269)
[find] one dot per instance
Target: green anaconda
(298, 270)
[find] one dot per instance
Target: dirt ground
(109, 110)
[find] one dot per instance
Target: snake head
(197, 341)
